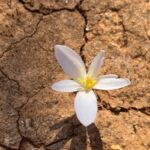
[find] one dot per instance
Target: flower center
(87, 83)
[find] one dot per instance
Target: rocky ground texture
(32, 116)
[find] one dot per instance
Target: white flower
(85, 100)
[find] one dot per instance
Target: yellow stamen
(87, 83)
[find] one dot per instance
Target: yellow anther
(81, 80)
(87, 83)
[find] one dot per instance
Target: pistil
(87, 83)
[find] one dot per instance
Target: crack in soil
(17, 82)
(6, 147)
(48, 11)
(124, 31)
(118, 110)
(18, 113)
(104, 105)
(82, 13)
(19, 41)
(19, 116)
(57, 141)
(77, 7)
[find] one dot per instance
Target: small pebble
(66, 1)
(116, 147)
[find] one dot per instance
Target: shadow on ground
(72, 131)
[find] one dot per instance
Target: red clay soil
(32, 116)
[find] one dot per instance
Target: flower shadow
(73, 136)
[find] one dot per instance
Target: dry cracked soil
(32, 116)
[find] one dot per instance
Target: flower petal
(96, 65)
(66, 86)
(111, 83)
(109, 76)
(86, 107)
(70, 62)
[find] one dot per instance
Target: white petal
(96, 65)
(111, 83)
(66, 86)
(70, 62)
(109, 76)
(86, 107)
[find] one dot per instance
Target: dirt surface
(32, 116)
